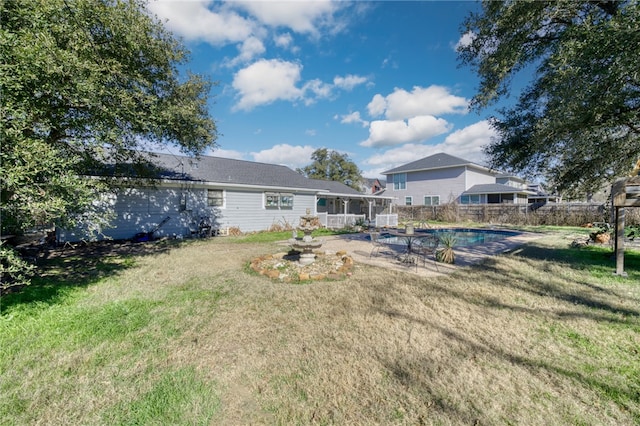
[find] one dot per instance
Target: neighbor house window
(278, 200)
(408, 201)
(400, 181)
(431, 200)
(215, 197)
(470, 199)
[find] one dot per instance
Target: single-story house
(225, 193)
(442, 178)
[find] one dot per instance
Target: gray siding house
(443, 178)
(225, 193)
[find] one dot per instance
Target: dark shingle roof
(493, 188)
(334, 187)
(227, 171)
(436, 161)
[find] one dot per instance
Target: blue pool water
(465, 237)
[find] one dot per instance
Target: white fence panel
(339, 221)
(386, 220)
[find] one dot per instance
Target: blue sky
(379, 81)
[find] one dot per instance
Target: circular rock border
(284, 267)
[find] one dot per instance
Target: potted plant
(445, 254)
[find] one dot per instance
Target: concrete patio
(359, 247)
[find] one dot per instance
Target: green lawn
(181, 333)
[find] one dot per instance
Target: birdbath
(308, 223)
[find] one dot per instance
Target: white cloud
(394, 157)
(348, 82)
(354, 117)
(465, 40)
(196, 21)
(469, 141)
(249, 49)
(465, 143)
(318, 88)
(300, 16)
(283, 40)
(377, 106)
(433, 100)
(228, 153)
(396, 132)
(285, 154)
(267, 81)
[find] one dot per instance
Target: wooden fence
(559, 214)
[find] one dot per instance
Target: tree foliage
(331, 165)
(578, 121)
(84, 81)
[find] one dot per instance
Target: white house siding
(142, 209)
(245, 209)
(445, 183)
(477, 177)
(136, 210)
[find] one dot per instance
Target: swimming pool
(465, 237)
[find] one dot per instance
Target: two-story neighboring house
(443, 178)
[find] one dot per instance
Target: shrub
(14, 270)
(446, 253)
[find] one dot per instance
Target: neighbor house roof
(436, 161)
(494, 188)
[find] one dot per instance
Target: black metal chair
(377, 246)
(426, 247)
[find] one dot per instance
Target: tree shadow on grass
(589, 257)
(626, 397)
(62, 269)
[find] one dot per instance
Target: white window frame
(399, 181)
(408, 200)
(221, 198)
(434, 200)
(286, 201)
(278, 200)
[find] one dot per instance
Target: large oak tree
(84, 81)
(332, 165)
(578, 120)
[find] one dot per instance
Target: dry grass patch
(518, 340)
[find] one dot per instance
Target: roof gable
(436, 161)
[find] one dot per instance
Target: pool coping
(358, 246)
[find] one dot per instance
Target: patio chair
(376, 244)
(426, 247)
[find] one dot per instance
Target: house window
(408, 201)
(400, 181)
(431, 200)
(215, 197)
(286, 201)
(278, 200)
(470, 199)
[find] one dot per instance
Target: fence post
(620, 242)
